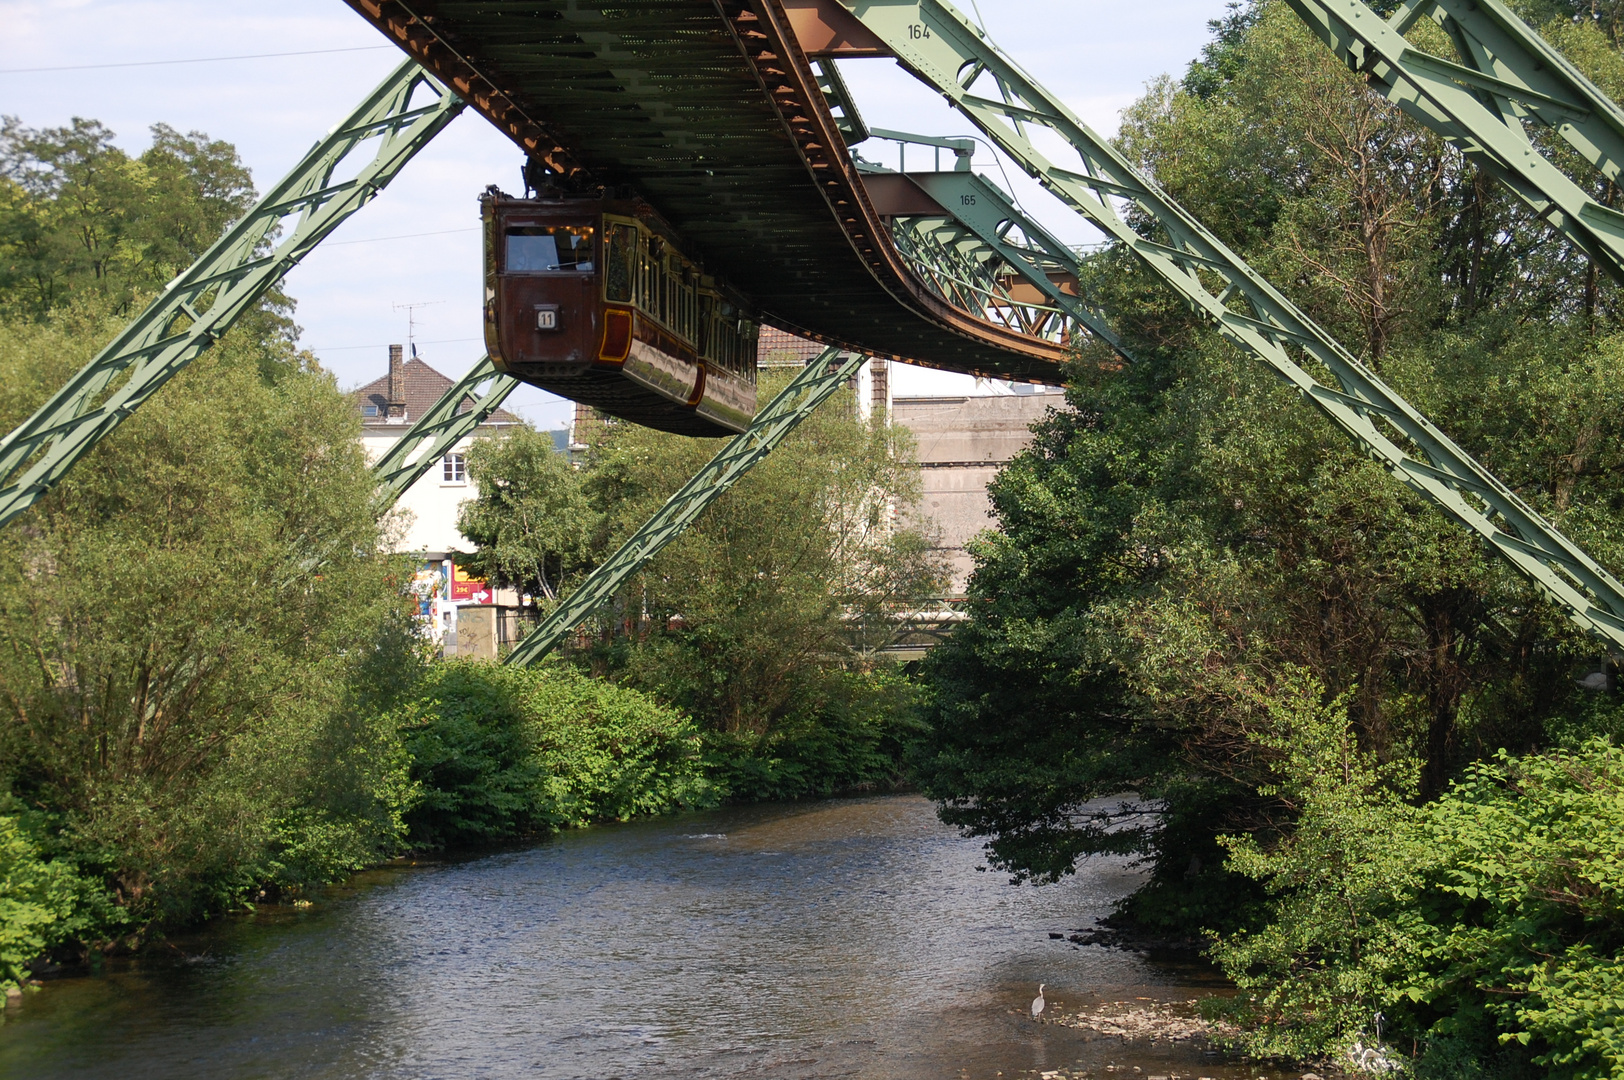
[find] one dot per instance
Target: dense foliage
(1486, 927)
(1197, 582)
(199, 627)
(213, 687)
(500, 752)
(746, 622)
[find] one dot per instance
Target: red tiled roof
(775, 347)
(424, 387)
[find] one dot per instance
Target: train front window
(543, 249)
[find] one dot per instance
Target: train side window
(617, 272)
(646, 297)
(705, 342)
(541, 249)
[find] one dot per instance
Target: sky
(417, 244)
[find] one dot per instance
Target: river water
(850, 938)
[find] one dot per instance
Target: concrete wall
(962, 442)
(483, 631)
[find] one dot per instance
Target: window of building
(454, 469)
(369, 410)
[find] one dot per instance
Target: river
(848, 938)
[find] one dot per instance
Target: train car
(593, 300)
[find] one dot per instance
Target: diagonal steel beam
(441, 428)
(965, 253)
(811, 388)
(982, 207)
(938, 45)
(1503, 77)
(405, 111)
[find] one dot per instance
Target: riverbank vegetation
(1384, 767)
(214, 688)
(761, 622)
(200, 627)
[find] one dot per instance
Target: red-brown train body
(592, 300)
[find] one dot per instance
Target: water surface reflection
(851, 938)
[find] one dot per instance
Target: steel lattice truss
(942, 48)
(434, 433)
(1503, 79)
(971, 275)
(395, 121)
(982, 246)
(816, 383)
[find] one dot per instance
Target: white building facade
(426, 514)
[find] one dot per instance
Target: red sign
(465, 589)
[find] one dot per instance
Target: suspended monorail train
(593, 300)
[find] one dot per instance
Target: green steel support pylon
(1504, 75)
(199, 306)
(811, 388)
(439, 429)
(938, 45)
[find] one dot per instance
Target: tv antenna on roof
(411, 322)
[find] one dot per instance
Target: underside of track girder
(710, 111)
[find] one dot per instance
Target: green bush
(609, 753)
(1526, 916)
(472, 756)
(500, 752)
(852, 738)
(1333, 946)
(43, 902)
(1486, 930)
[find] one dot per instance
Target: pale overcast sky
(418, 242)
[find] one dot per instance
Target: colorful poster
(426, 584)
(467, 590)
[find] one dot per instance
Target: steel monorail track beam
(943, 49)
(983, 209)
(406, 110)
(441, 428)
(977, 239)
(1504, 75)
(811, 388)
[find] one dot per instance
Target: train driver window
(541, 249)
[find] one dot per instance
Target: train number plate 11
(546, 317)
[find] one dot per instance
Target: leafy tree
(1188, 532)
(201, 625)
(189, 625)
(531, 523)
(739, 619)
(79, 218)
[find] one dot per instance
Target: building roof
(775, 348)
(424, 387)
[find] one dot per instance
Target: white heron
(1037, 1002)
